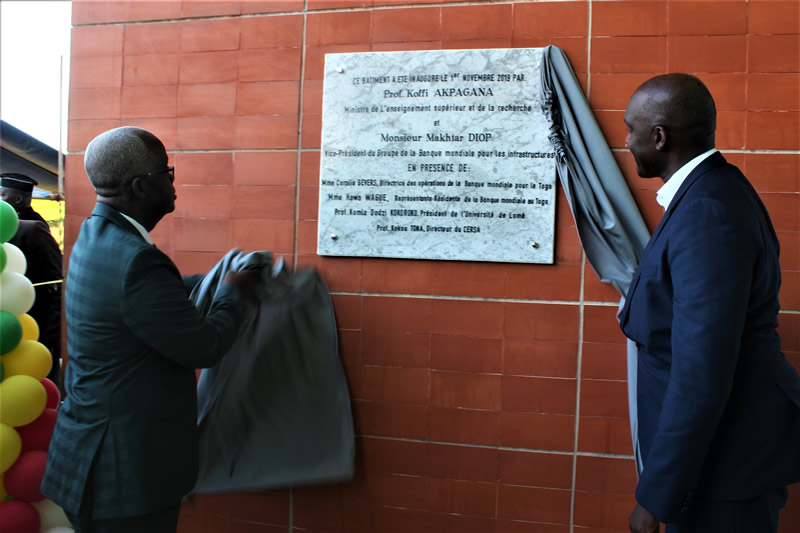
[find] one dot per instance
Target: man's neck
(126, 208)
(680, 160)
(670, 188)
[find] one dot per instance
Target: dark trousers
(756, 515)
(163, 521)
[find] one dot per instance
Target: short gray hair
(113, 157)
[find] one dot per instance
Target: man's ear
(138, 188)
(659, 138)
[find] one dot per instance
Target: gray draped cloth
(610, 227)
(275, 412)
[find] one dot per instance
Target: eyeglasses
(171, 171)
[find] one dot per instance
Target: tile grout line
(589, 50)
(753, 151)
(498, 447)
(503, 347)
(757, 151)
(305, 11)
(747, 78)
(581, 323)
(298, 179)
(474, 298)
(581, 303)
(299, 145)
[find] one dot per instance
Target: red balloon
(36, 435)
(53, 394)
(24, 477)
(19, 517)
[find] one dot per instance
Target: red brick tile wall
(488, 397)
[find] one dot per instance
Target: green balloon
(3, 258)
(9, 221)
(10, 332)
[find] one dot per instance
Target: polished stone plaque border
(439, 154)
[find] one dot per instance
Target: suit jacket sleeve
(156, 308)
(710, 259)
(190, 282)
(45, 252)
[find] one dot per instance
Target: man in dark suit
(44, 259)
(124, 450)
(718, 404)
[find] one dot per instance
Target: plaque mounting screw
(334, 237)
(340, 69)
(535, 244)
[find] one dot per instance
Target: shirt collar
(667, 191)
(138, 227)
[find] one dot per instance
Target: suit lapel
(713, 161)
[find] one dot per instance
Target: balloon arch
(28, 400)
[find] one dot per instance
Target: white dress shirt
(667, 191)
(139, 228)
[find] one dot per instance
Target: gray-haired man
(124, 450)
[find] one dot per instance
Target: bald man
(124, 450)
(718, 404)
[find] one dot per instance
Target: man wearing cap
(45, 263)
(17, 190)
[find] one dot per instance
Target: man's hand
(245, 279)
(642, 521)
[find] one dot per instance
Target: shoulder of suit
(101, 237)
(30, 229)
(722, 176)
(31, 225)
(120, 228)
(29, 213)
(145, 259)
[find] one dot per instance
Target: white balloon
(59, 530)
(52, 516)
(16, 293)
(15, 259)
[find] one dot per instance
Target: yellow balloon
(30, 329)
(22, 400)
(29, 358)
(10, 446)
(3, 492)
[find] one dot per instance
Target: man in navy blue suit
(718, 404)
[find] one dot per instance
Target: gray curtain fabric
(610, 227)
(275, 412)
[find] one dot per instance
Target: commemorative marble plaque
(436, 155)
